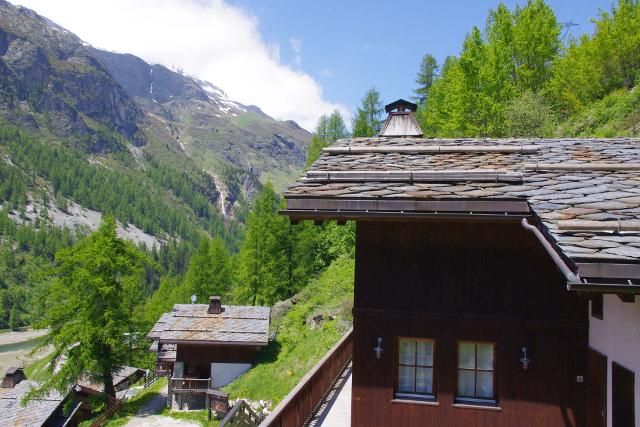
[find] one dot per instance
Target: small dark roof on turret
(401, 104)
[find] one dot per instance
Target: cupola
(401, 120)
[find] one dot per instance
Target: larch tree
(328, 130)
(426, 76)
(369, 116)
(88, 314)
(265, 260)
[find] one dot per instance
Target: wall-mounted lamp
(525, 359)
(378, 349)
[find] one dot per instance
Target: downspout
(574, 283)
(571, 277)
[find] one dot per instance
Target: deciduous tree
(89, 315)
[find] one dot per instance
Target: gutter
(559, 262)
(574, 282)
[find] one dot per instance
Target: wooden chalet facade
(478, 263)
(203, 347)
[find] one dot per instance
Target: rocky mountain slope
(65, 91)
(206, 124)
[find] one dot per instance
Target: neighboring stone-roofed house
(122, 381)
(165, 357)
(35, 413)
(475, 261)
(206, 346)
(46, 411)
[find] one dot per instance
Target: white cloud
(327, 72)
(296, 45)
(206, 38)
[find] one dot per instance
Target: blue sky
(349, 46)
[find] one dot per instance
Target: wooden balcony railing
(300, 404)
(191, 385)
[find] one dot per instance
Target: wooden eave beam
(602, 270)
(414, 175)
(431, 149)
(404, 206)
(587, 166)
(318, 216)
(606, 288)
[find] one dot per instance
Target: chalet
(123, 379)
(205, 346)
(496, 280)
(46, 411)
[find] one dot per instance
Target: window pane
(466, 355)
(485, 356)
(407, 352)
(466, 383)
(424, 353)
(424, 380)
(485, 384)
(406, 378)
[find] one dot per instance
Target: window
(476, 372)
(596, 306)
(415, 369)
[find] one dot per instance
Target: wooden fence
(99, 422)
(300, 404)
(192, 385)
(241, 415)
(150, 377)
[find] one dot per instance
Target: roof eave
(209, 342)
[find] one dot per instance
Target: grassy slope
(617, 114)
(298, 347)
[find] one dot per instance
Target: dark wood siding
(215, 353)
(198, 358)
(482, 281)
(622, 396)
(597, 390)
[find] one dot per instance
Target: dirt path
(146, 417)
(158, 421)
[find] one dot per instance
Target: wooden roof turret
(401, 120)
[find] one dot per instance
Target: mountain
(206, 124)
(118, 107)
(86, 132)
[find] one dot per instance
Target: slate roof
(591, 214)
(167, 354)
(123, 374)
(190, 323)
(35, 413)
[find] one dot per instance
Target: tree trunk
(109, 389)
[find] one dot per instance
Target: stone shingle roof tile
(192, 323)
(589, 194)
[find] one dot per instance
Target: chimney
(12, 377)
(215, 305)
(401, 120)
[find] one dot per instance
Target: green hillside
(304, 333)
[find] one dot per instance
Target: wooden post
(208, 406)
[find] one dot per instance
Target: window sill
(487, 407)
(415, 402)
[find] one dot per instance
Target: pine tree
(89, 311)
(426, 76)
(200, 273)
(368, 118)
(328, 130)
(336, 129)
(265, 256)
